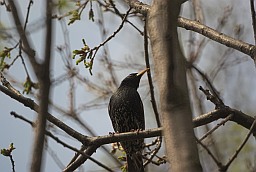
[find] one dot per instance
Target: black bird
(127, 114)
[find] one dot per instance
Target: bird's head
(133, 79)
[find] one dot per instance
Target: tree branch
(48, 133)
(217, 36)
(239, 148)
(238, 117)
(32, 105)
(25, 42)
(95, 142)
(138, 6)
(43, 74)
(201, 29)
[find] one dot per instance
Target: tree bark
(170, 73)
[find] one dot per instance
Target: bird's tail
(135, 163)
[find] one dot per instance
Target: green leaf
(79, 60)
(6, 52)
(28, 85)
(8, 151)
(75, 16)
(124, 168)
(122, 158)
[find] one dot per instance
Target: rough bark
(170, 73)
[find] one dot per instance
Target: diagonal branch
(25, 42)
(94, 142)
(32, 105)
(48, 133)
(201, 29)
(240, 147)
(239, 117)
(217, 36)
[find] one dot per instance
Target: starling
(127, 114)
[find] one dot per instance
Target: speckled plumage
(126, 113)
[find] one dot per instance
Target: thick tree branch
(217, 36)
(43, 74)
(239, 117)
(202, 29)
(48, 133)
(95, 142)
(32, 105)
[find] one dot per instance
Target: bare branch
(138, 6)
(202, 29)
(48, 133)
(150, 81)
(216, 36)
(216, 127)
(240, 147)
(32, 105)
(25, 42)
(210, 153)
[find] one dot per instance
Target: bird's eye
(133, 74)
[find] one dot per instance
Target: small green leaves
(8, 151)
(6, 52)
(28, 85)
(86, 55)
(124, 168)
(3, 54)
(75, 16)
(122, 158)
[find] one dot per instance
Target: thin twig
(13, 163)
(213, 89)
(117, 12)
(22, 118)
(217, 126)
(106, 55)
(150, 81)
(153, 154)
(240, 147)
(149, 160)
(111, 36)
(210, 153)
(153, 100)
(26, 45)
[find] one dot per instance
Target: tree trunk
(170, 73)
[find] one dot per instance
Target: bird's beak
(142, 72)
